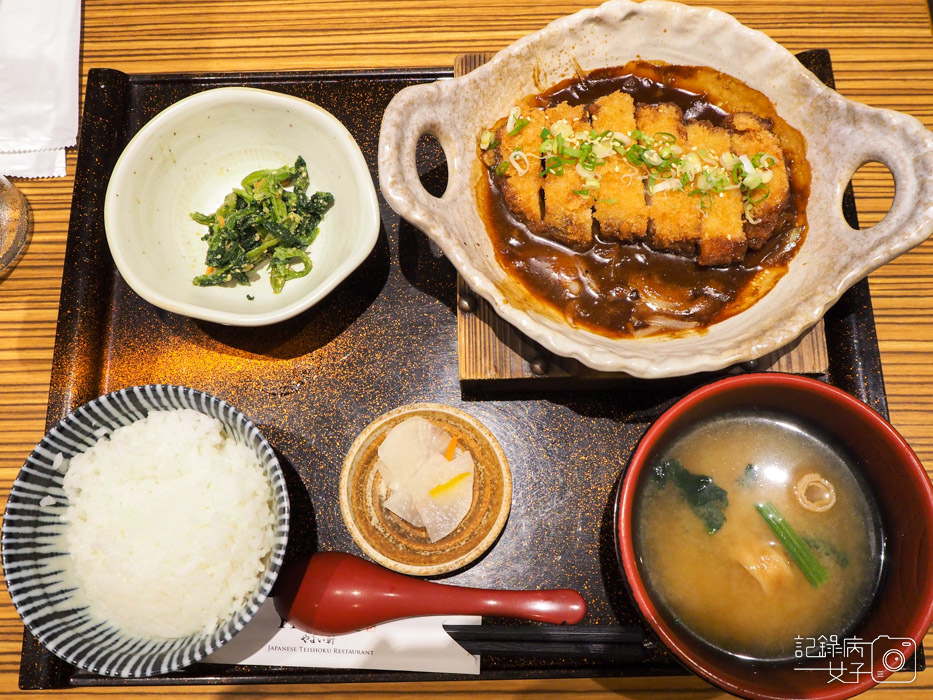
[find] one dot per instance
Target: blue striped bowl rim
(33, 562)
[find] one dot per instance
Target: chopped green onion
(520, 123)
(658, 159)
(767, 192)
(752, 182)
(553, 165)
(736, 168)
(514, 114)
(796, 547)
(758, 158)
(652, 157)
(502, 167)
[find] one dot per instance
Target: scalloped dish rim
(832, 259)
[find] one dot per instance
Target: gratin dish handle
(905, 146)
(415, 111)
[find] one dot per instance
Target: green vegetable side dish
(707, 500)
(260, 221)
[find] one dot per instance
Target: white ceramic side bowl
(189, 157)
(841, 135)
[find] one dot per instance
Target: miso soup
(710, 557)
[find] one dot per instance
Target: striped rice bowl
(48, 588)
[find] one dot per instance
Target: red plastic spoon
(334, 593)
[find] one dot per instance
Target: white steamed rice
(168, 525)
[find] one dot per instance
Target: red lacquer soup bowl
(901, 611)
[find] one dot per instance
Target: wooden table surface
(882, 51)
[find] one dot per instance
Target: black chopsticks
(610, 643)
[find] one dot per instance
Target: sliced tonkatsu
(674, 216)
(752, 135)
(520, 175)
(640, 173)
(568, 215)
(620, 208)
(722, 234)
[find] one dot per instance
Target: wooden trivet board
(492, 352)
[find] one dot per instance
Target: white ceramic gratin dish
(841, 136)
(189, 157)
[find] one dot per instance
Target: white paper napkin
(413, 644)
(39, 46)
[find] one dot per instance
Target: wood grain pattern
(882, 54)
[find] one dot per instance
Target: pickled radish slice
(429, 476)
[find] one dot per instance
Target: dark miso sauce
(644, 90)
(629, 289)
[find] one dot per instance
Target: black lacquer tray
(386, 337)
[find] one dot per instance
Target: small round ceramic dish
(38, 572)
(189, 157)
(395, 543)
(840, 134)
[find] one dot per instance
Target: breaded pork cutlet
(722, 236)
(620, 207)
(674, 216)
(521, 190)
(568, 216)
(752, 135)
(680, 197)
